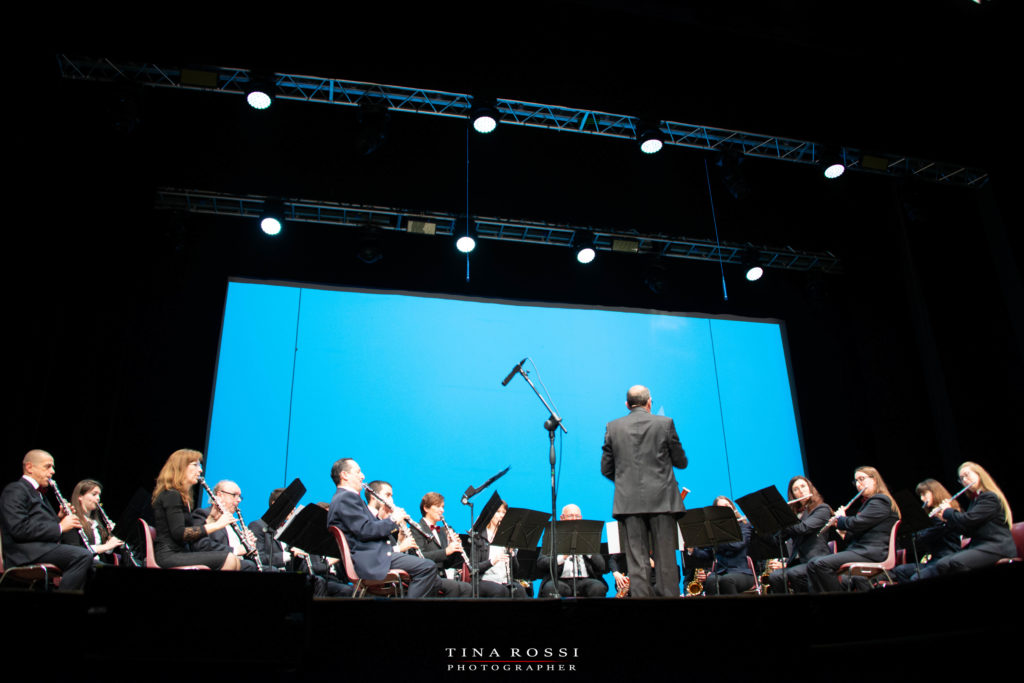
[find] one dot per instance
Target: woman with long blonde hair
(172, 506)
(987, 520)
(869, 531)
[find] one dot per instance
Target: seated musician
(85, 500)
(730, 573)
(577, 575)
(32, 530)
(369, 537)
(172, 502)
(443, 548)
(938, 540)
(803, 537)
(229, 497)
(987, 521)
(494, 564)
(869, 531)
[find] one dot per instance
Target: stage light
(467, 236)
(484, 117)
(583, 241)
(833, 164)
(260, 92)
(272, 217)
(752, 263)
(650, 139)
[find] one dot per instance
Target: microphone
(517, 368)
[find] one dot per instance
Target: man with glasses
(582, 572)
(229, 495)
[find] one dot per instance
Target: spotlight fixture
(834, 165)
(466, 241)
(650, 138)
(752, 264)
(260, 92)
(272, 217)
(484, 117)
(583, 241)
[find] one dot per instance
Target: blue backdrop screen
(409, 385)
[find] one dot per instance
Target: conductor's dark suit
(370, 544)
(639, 453)
(31, 533)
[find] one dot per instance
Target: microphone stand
(552, 424)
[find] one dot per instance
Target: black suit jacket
(808, 543)
(639, 453)
(29, 524)
(871, 527)
(984, 521)
(369, 539)
(218, 540)
(594, 564)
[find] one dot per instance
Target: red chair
(149, 533)
(394, 583)
(870, 569)
(1018, 540)
(756, 588)
(30, 573)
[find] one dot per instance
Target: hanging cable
(725, 292)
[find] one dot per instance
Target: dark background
(909, 360)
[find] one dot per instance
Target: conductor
(639, 453)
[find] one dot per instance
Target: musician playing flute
(806, 542)
(369, 537)
(31, 529)
(869, 530)
(987, 520)
(938, 540)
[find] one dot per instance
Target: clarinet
(465, 557)
(404, 524)
(250, 549)
(245, 530)
(126, 549)
(68, 511)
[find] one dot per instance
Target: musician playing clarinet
(370, 537)
(229, 495)
(443, 549)
(987, 521)
(869, 530)
(31, 529)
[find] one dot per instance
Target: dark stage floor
(204, 625)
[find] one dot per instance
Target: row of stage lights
(485, 120)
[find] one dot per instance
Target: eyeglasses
(858, 480)
(236, 494)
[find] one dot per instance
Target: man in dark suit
(229, 495)
(31, 529)
(579, 572)
(639, 453)
(369, 538)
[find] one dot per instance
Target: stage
(167, 625)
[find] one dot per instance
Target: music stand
(710, 526)
(913, 520)
(277, 513)
(307, 531)
(768, 512)
(573, 537)
(521, 528)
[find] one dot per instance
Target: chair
(867, 570)
(393, 583)
(149, 533)
(1018, 540)
(30, 573)
(756, 588)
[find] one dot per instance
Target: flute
(833, 518)
(68, 511)
(938, 507)
(797, 500)
(404, 524)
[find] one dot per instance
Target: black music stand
(768, 512)
(573, 537)
(521, 528)
(308, 531)
(710, 526)
(913, 520)
(277, 513)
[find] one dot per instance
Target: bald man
(31, 529)
(229, 495)
(639, 453)
(578, 575)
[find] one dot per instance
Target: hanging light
(650, 138)
(466, 242)
(583, 241)
(272, 217)
(260, 92)
(484, 116)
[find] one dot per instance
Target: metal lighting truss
(514, 112)
(531, 232)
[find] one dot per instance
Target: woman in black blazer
(987, 521)
(807, 543)
(869, 530)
